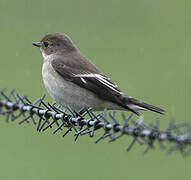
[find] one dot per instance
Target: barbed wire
(86, 122)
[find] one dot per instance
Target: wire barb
(86, 122)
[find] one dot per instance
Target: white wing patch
(102, 79)
(83, 80)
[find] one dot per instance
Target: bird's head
(55, 43)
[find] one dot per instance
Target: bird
(73, 81)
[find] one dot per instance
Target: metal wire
(86, 122)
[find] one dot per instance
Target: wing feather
(97, 83)
(89, 78)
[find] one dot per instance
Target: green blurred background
(143, 45)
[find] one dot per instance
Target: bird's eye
(45, 44)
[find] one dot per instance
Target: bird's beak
(37, 44)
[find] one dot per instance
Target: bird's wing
(100, 85)
(97, 83)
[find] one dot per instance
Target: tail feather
(135, 105)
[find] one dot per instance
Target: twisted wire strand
(86, 122)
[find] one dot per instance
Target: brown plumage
(73, 68)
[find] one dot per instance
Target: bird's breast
(65, 92)
(58, 88)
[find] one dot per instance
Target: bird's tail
(134, 105)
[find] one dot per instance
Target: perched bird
(72, 80)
